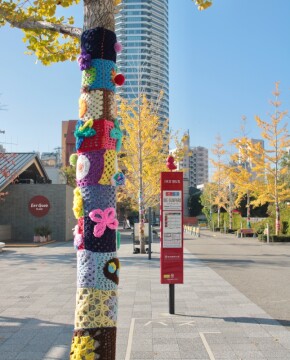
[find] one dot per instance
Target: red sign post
(171, 214)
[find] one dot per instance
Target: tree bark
(99, 13)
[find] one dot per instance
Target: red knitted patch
(102, 139)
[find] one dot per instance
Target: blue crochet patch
(92, 267)
(100, 75)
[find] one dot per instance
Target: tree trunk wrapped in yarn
(98, 139)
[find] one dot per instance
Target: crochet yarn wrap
(98, 139)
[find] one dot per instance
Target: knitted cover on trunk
(98, 139)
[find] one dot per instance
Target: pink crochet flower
(103, 219)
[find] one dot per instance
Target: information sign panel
(171, 261)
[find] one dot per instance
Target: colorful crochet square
(105, 243)
(102, 139)
(100, 75)
(99, 43)
(97, 104)
(90, 168)
(104, 343)
(98, 196)
(110, 167)
(96, 308)
(97, 270)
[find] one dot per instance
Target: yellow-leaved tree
(240, 172)
(143, 155)
(220, 177)
(268, 183)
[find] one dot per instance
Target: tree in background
(69, 173)
(207, 201)
(194, 202)
(269, 171)
(143, 155)
(220, 177)
(240, 173)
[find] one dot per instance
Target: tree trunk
(277, 227)
(95, 235)
(248, 211)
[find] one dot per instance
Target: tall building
(142, 29)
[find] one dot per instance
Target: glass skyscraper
(142, 28)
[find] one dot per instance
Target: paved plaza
(212, 321)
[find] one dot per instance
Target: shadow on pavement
(243, 320)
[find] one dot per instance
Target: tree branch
(30, 24)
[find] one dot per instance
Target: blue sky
(223, 65)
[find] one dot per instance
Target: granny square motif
(95, 308)
(97, 270)
(100, 75)
(97, 104)
(84, 340)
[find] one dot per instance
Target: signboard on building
(171, 261)
(39, 206)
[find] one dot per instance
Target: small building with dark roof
(32, 201)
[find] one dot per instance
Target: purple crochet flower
(84, 60)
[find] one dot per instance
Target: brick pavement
(213, 320)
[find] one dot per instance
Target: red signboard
(39, 206)
(171, 218)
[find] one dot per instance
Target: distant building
(68, 141)
(195, 164)
(49, 159)
(195, 168)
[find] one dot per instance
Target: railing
(192, 230)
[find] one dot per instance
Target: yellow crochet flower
(117, 2)
(82, 348)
